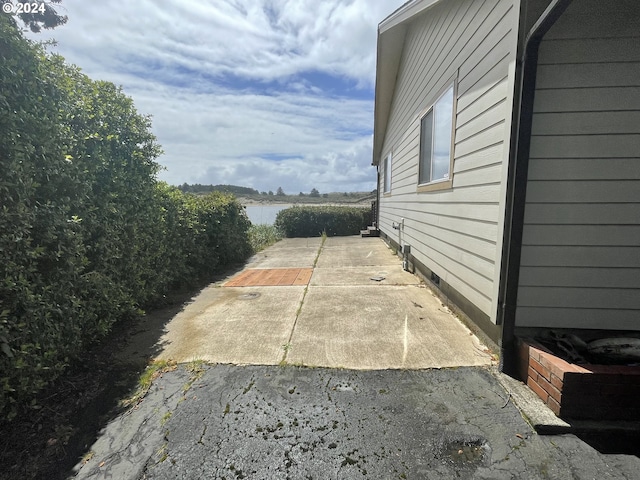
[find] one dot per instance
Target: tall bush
(42, 253)
(88, 236)
(312, 221)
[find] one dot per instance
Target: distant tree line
(234, 189)
(198, 188)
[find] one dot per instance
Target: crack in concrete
(287, 345)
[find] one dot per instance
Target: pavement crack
(287, 346)
(204, 432)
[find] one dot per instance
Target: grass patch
(196, 369)
(263, 236)
(153, 371)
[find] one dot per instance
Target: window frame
(440, 183)
(386, 174)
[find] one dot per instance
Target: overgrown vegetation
(88, 236)
(315, 221)
(263, 236)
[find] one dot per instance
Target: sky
(257, 93)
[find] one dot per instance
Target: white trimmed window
(436, 134)
(387, 174)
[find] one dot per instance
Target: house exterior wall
(455, 232)
(580, 265)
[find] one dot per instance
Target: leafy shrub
(88, 236)
(312, 221)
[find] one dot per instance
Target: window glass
(387, 173)
(435, 140)
(443, 113)
(426, 144)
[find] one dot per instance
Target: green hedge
(88, 236)
(312, 221)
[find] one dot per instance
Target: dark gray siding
(580, 263)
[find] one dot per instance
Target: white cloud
(263, 93)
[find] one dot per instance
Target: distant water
(264, 214)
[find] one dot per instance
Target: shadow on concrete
(49, 439)
(621, 443)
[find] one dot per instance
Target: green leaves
(313, 221)
(88, 237)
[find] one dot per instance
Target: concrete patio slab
(367, 252)
(299, 257)
(360, 327)
(234, 325)
(336, 276)
(291, 243)
(342, 319)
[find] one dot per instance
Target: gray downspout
(517, 180)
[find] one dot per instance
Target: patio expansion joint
(287, 345)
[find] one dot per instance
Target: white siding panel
(494, 115)
(483, 139)
(479, 158)
(454, 231)
(486, 175)
(493, 96)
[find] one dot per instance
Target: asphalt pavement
(347, 377)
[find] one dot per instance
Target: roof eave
(391, 34)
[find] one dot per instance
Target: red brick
(550, 389)
(534, 353)
(533, 374)
(544, 372)
(556, 365)
(557, 382)
(538, 389)
(553, 405)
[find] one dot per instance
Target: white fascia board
(404, 13)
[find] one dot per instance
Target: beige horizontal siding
(580, 265)
(454, 232)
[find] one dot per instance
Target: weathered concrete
(285, 258)
(357, 253)
(288, 253)
(341, 276)
(278, 422)
(344, 320)
(234, 325)
(260, 422)
(373, 327)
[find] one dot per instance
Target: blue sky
(260, 93)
